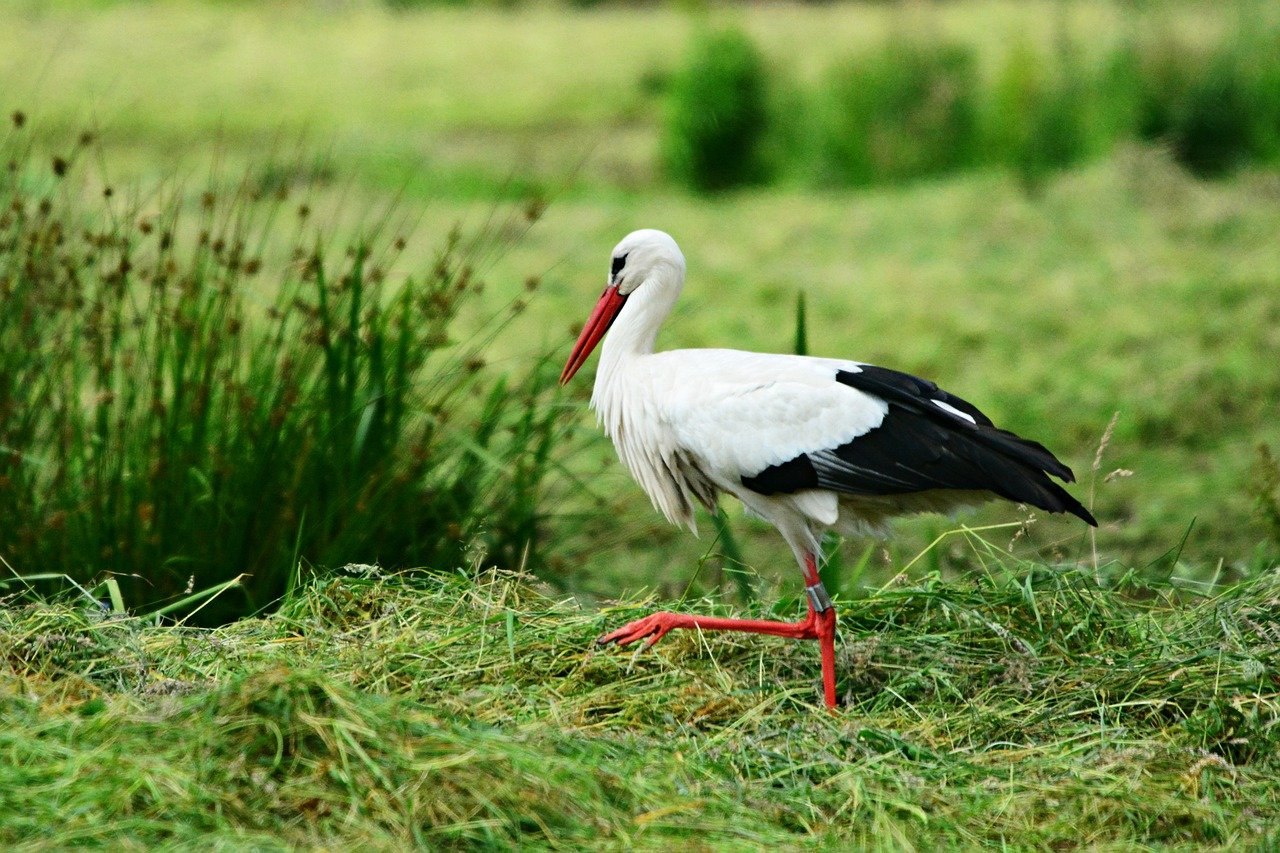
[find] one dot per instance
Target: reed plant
(181, 403)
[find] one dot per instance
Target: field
(1124, 286)
(1032, 686)
(1027, 711)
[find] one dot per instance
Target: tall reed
(180, 404)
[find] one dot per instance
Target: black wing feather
(921, 446)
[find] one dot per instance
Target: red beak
(602, 317)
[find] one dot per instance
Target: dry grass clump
(1032, 706)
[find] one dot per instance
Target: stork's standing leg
(819, 624)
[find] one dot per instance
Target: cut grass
(1027, 705)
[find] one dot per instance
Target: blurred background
(288, 283)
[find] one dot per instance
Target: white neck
(621, 396)
(635, 332)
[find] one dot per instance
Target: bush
(717, 118)
(1042, 117)
(905, 111)
(1265, 488)
(1217, 109)
(178, 406)
(916, 107)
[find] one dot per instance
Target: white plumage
(805, 443)
(680, 416)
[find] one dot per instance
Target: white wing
(739, 412)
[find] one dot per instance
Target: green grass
(1028, 706)
(1123, 285)
(184, 400)
(472, 95)
(1029, 690)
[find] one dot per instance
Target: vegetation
(1043, 116)
(180, 404)
(1216, 108)
(218, 384)
(916, 106)
(715, 132)
(907, 111)
(1121, 285)
(1026, 707)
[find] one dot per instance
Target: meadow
(1031, 709)
(404, 214)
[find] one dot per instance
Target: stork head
(648, 265)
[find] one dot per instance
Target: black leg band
(818, 598)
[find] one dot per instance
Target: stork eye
(617, 264)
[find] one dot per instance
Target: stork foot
(820, 626)
(655, 626)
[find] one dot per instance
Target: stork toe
(653, 626)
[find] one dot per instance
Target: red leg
(655, 626)
(827, 645)
(821, 607)
(819, 624)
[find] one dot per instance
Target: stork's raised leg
(819, 624)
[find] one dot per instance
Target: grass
(182, 400)
(1029, 706)
(1033, 689)
(451, 89)
(1123, 285)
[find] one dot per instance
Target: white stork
(807, 444)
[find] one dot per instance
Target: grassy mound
(1036, 707)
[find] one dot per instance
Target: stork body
(807, 444)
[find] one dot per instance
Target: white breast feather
(733, 414)
(630, 414)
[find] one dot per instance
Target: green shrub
(717, 118)
(1265, 488)
(1211, 133)
(915, 107)
(904, 111)
(179, 403)
(1042, 117)
(1217, 109)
